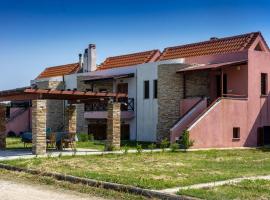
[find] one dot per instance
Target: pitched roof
(130, 59)
(59, 70)
(211, 47)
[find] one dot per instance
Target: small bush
(185, 142)
(91, 137)
(83, 137)
(109, 147)
(139, 148)
(164, 144)
(174, 147)
(125, 149)
(152, 146)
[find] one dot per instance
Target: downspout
(136, 108)
(64, 103)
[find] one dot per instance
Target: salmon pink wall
(177, 130)
(215, 127)
(259, 113)
(20, 123)
(186, 104)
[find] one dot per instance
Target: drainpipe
(136, 108)
(64, 103)
(221, 82)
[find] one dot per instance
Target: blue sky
(35, 34)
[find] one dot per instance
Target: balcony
(98, 110)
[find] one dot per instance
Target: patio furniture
(26, 138)
(51, 140)
(69, 140)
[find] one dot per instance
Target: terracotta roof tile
(211, 47)
(59, 70)
(130, 59)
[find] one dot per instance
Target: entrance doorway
(218, 84)
(99, 131)
(263, 136)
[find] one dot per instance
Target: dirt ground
(10, 190)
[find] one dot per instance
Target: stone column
(113, 126)
(71, 118)
(2, 127)
(39, 111)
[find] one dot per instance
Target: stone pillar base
(113, 127)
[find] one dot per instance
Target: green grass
(258, 189)
(16, 143)
(50, 182)
(158, 170)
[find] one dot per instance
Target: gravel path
(20, 191)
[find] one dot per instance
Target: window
(236, 133)
(102, 90)
(155, 89)
(263, 84)
(146, 89)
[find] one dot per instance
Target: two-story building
(216, 89)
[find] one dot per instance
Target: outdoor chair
(69, 140)
(26, 138)
(51, 140)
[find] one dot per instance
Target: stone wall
(2, 127)
(55, 108)
(170, 91)
(82, 126)
(113, 126)
(197, 84)
(39, 113)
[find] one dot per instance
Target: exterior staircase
(186, 119)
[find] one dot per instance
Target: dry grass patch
(158, 170)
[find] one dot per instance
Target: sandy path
(19, 191)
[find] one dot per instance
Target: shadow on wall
(255, 136)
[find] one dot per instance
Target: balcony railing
(127, 104)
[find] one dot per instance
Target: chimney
(80, 61)
(92, 58)
(85, 60)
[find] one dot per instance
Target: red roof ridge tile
(215, 40)
(59, 70)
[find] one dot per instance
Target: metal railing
(127, 104)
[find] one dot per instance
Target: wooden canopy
(34, 94)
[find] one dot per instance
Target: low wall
(214, 129)
(177, 130)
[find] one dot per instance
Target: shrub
(91, 137)
(83, 137)
(139, 148)
(109, 147)
(185, 142)
(125, 149)
(164, 144)
(152, 146)
(174, 147)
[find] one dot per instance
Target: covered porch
(212, 81)
(73, 98)
(204, 86)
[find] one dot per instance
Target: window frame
(155, 89)
(236, 133)
(264, 83)
(146, 89)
